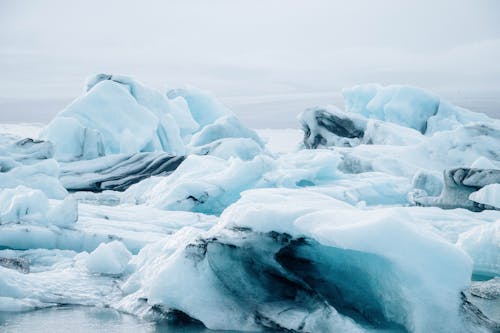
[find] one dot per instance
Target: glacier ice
(116, 172)
(459, 185)
(175, 209)
(108, 258)
(224, 127)
(330, 126)
(408, 106)
(273, 258)
(488, 195)
(42, 175)
(89, 128)
(23, 205)
(482, 243)
(203, 106)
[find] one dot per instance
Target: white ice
(250, 231)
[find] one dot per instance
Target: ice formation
(482, 243)
(408, 106)
(166, 206)
(116, 172)
(460, 186)
(274, 257)
(108, 258)
(148, 120)
(488, 195)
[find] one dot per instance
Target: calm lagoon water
(81, 319)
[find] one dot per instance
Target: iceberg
(205, 109)
(108, 259)
(408, 106)
(304, 261)
(489, 195)
(89, 126)
(330, 126)
(462, 183)
(116, 172)
(482, 243)
(168, 207)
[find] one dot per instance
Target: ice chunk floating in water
(167, 207)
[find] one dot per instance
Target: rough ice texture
(488, 195)
(23, 205)
(462, 183)
(482, 243)
(201, 184)
(488, 290)
(275, 255)
(204, 107)
(116, 172)
(28, 162)
(329, 126)
(209, 184)
(327, 242)
(135, 226)
(89, 127)
(408, 106)
(224, 127)
(147, 121)
(226, 138)
(109, 258)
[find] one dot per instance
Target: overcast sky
(265, 59)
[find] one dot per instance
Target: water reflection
(79, 319)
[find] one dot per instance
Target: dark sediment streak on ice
(338, 124)
(459, 183)
(273, 275)
(119, 173)
(19, 264)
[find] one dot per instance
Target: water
(81, 319)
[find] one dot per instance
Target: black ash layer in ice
(183, 213)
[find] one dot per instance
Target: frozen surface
(460, 185)
(23, 205)
(408, 106)
(116, 172)
(277, 247)
(175, 211)
(108, 258)
(488, 195)
(482, 243)
(89, 128)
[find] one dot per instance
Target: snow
(347, 244)
(135, 226)
(42, 176)
(202, 184)
(23, 205)
(182, 211)
(109, 258)
(488, 195)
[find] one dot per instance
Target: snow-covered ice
(108, 258)
(488, 195)
(166, 206)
